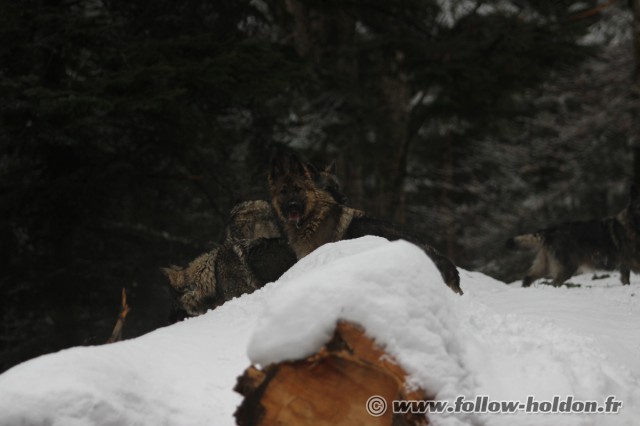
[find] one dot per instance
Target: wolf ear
(276, 169)
(296, 166)
(279, 164)
(175, 276)
(285, 161)
(331, 168)
(313, 172)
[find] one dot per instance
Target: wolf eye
(297, 189)
(284, 190)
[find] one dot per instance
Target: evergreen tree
(407, 88)
(129, 129)
(124, 129)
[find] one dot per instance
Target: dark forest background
(129, 129)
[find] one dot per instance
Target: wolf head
(251, 220)
(292, 185)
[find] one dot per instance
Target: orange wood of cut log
(330, 387)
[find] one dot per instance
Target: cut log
(331, 387)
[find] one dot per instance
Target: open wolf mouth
(294, 215)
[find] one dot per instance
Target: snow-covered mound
(502, 341)
(392, 289)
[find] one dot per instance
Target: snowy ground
(502, 341)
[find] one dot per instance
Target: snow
(398, 307)
(503, 341)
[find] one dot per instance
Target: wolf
(609, 243)
(193, 287)
(253, 253)
(250, 220)
(235, 268)
(255, 219)
(310, 216)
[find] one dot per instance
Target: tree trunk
(635, 91)
(635, 4)
(354, 179)
(636, 164)
(325, 34)
(396, 96)
(447, 202)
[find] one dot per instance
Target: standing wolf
(609, 243)
(311, 216)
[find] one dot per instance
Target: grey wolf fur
(251, 220)
(609, 243)
(231, 270)
(311, 216)
(252, 254)
(192, 286)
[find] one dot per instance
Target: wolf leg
(538, 269)
(446, 267)
(562, 273)
(561, 277)
(625, 274)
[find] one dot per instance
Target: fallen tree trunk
(336, 386)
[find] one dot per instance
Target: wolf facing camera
(311, 216)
